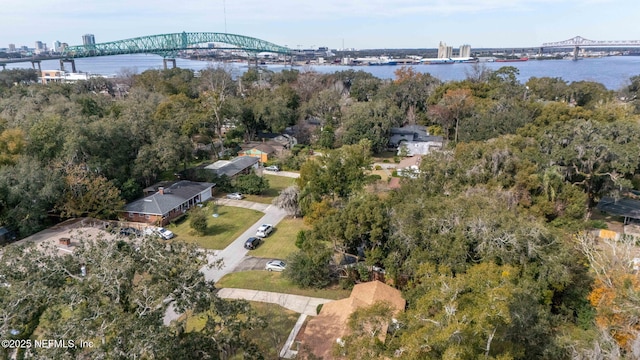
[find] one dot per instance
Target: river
(613, 72)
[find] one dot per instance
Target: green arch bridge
(168, 45)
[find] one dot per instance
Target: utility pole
(224, 10)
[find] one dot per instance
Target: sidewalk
(300, 304)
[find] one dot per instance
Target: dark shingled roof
(174, 196)
(622, 207)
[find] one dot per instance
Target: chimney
(160, 190)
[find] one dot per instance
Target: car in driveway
(235, 196)
(164, 233)
(264, 230)
(275, 265)
(252, 243)
(272, 168)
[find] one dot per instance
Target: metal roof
(233, 166)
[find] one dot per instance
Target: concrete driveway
(251, 263)
(282, 173)
(233, 254)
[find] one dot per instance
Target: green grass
(283, 241)
(385, 155)
(221, 231)
(275, 282)
(269, 340)
(280, 321)
(276, 184)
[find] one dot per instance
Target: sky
(359, 24)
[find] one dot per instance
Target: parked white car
(159, 231)
(272, 168)
(235, 196)
(275, 265)
(264, 230)
(164, 233)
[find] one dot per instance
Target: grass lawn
(384, 174)
(283, 241)
(385, 155)
(275, 282)
(276, 184)
(269, 340)
(221, 231)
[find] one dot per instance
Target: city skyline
(351, 24)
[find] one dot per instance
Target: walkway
(305, 305)
(300, 304)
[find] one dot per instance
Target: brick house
(168, 202)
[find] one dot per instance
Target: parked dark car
(252, 243)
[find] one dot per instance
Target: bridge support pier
(575, 52)
(173, 63)
(33, 65)
(73, 64)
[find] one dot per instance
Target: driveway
(282, 173)
(233, 254)
(251, 263)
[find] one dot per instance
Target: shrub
(251, 184)
(300, 239)
(198, 220)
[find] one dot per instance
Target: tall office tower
(465, 51)
(56, 46)
(12, 47)
(88, 39)
(39, 47)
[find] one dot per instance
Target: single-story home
(414, 140)
(261, 151)
(168, 202)
(330, 326)
(235, 166)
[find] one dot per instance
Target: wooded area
(488, 243)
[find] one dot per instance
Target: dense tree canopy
(115, 294)
(482, 241)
